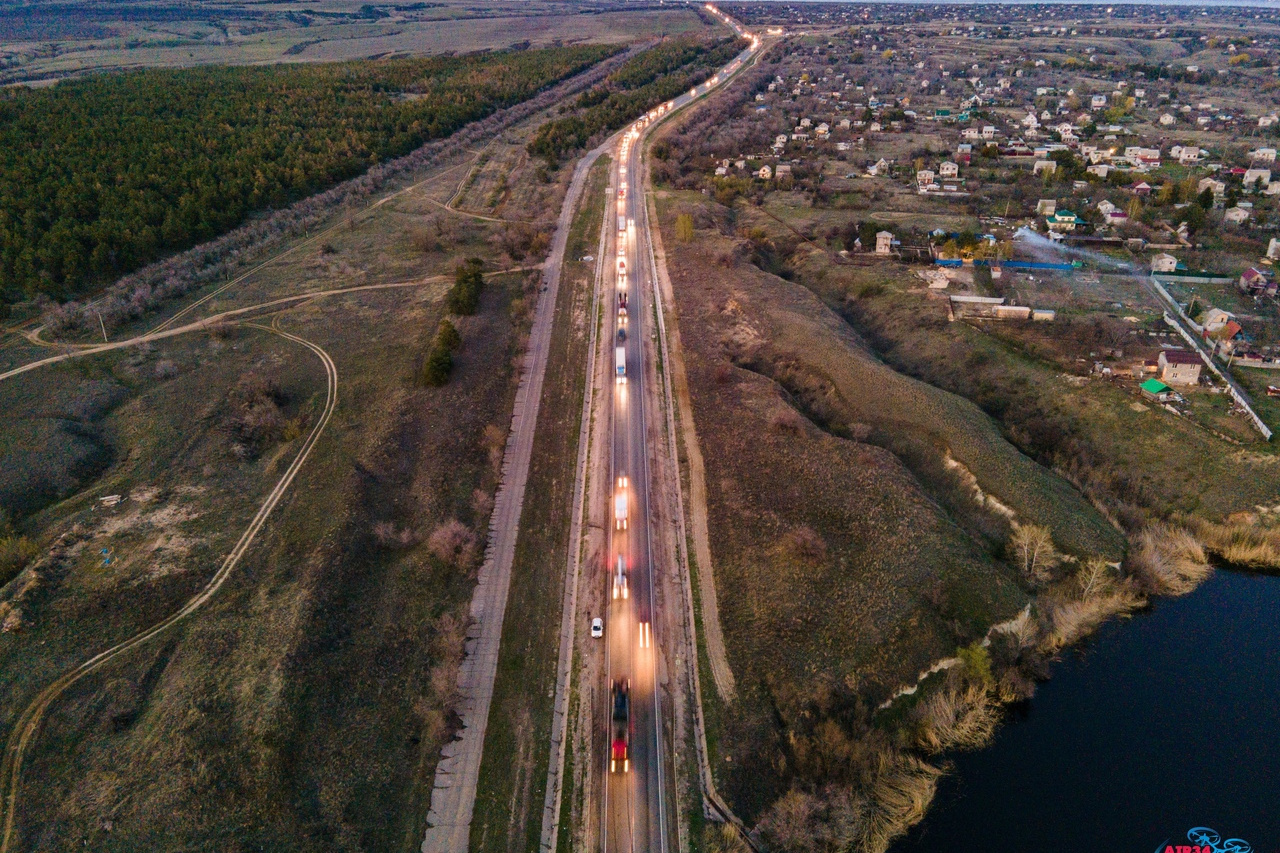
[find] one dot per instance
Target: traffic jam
(618, 567)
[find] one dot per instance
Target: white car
(597, 628)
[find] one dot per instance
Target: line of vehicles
(620, 686)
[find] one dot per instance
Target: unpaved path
(29, 722)
(198, 325)
(594, 390)
(457, 774)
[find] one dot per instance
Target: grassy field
(441, 28)
(837, 560)
(513, 773)
(306, 705)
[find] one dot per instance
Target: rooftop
(1155, 386)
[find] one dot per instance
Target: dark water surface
(1163, 722)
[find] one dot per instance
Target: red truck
(620, 729)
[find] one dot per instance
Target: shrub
(437, 367)
(255, 417)
(15, 552)
(684, 227)
(804, 543)
(447, 336)
(388, 535)
(787, 421)
(828, 821)
(464, 296)
(439, 361)
(454, 544)
(976, 664)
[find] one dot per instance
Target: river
(1158, 724)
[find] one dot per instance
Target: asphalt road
(637, 810)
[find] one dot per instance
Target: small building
(924, 177)
(1046, 207)
(1273, 249)
(884, 242)
(1164, 262)
(783, 170)
(1255, 282)
(1179, 367)
(1062, 220)
(1219, 188)
(1045, 166)
(1155, 390)
(948, 170)
(765, 173)
(1236, 216)
(1097, 102)
(1263, 155)
(1257, 176)
(1168, 119)
(1214, 319)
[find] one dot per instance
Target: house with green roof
(1154, 389)
(1062, 220)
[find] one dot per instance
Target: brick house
(1179, 367)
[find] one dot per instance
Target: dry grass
(902, 792)
(1167, 560)
(1067, 622)
(1245, 539)
(957, 717)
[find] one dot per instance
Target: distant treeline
(101, 175)
(641, 84)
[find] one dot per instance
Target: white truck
(620, 504)
(620, 364)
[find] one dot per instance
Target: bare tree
(1032, 547)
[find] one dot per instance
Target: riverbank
(1150, 728)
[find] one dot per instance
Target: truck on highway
(620, 727)
(620, 364)
(620, 504)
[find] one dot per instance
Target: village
(1052, 159)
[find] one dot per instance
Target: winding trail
(28, 724)
(198, 325)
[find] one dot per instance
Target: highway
(637, 811)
